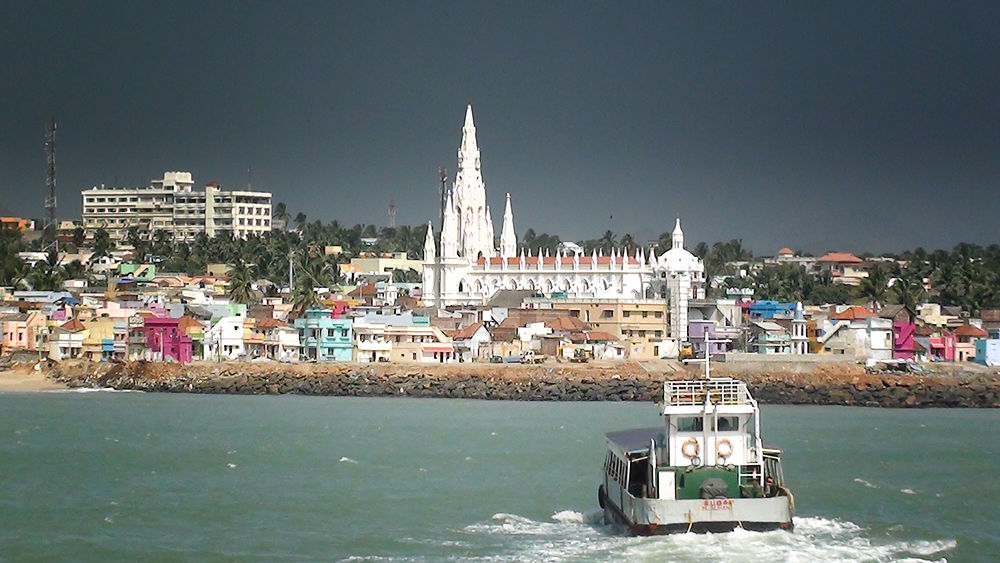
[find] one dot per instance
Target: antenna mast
(50, 173)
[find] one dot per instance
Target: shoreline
(28, 380)
(826, 384)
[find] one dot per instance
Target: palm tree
(79, 236)
(241, 279)
(300, 220)
(47, 275)
(874, 288)
(102, 244)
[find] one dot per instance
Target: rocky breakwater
(548, 382)
(525, 383)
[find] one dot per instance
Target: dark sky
(820, 126)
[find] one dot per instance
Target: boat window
(729, 423)
(689, 424)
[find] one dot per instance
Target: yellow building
(637, 323)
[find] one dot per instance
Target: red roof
(566, 324)
(551, 260)
(362, 291)
(853, 313)
(269, 322)
(466, 332)
(969, 330)
(72, 325)
(842, 257)
(786, 252)
(186, 322)
(592, 336)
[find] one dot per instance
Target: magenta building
(165, 339)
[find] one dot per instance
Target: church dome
(677, 259)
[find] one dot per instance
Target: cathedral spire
(449, 230)
(472, 216)
(508, 240)
(677, 237)
(429, 243)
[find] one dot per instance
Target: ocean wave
(865, 483)
(346, 459)
(573, 535)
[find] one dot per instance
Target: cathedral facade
(467, 267)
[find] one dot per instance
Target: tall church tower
(475, 227)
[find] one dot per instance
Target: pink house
(942, 346)
(965, 348)
(902, 340)
(21, 331)
(166, 339)
(903, 330)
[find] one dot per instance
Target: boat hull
(646, 517)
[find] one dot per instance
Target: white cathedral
(468, 269)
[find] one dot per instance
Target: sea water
(134, 476)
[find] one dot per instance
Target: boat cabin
(709, 447)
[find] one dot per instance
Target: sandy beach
(27, 379)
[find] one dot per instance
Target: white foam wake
(573, 535)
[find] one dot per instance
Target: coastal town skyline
(858, 128)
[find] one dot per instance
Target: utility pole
(50, 177)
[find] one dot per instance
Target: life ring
(689, 452)
(724, 448)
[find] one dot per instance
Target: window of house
(626, 313)
(658, 314)
(607, 313)
(574, 313)
(645, 314)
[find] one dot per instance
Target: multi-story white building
(171, 204)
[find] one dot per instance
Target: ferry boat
(705, 470)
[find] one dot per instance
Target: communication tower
(50, 173)
(392, 214)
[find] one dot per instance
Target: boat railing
(715, 391)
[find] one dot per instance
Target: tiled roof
(270, 323)
(591, 336)
(566, 324)
(564, 260)
(840, 257)
(466, 332)
(186, 322)
(969, 330)
(853, 313)
(14, 317)
(72, 325)
(786, 252)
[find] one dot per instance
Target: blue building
(770, 309)
(325, 338)
(988, 351)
